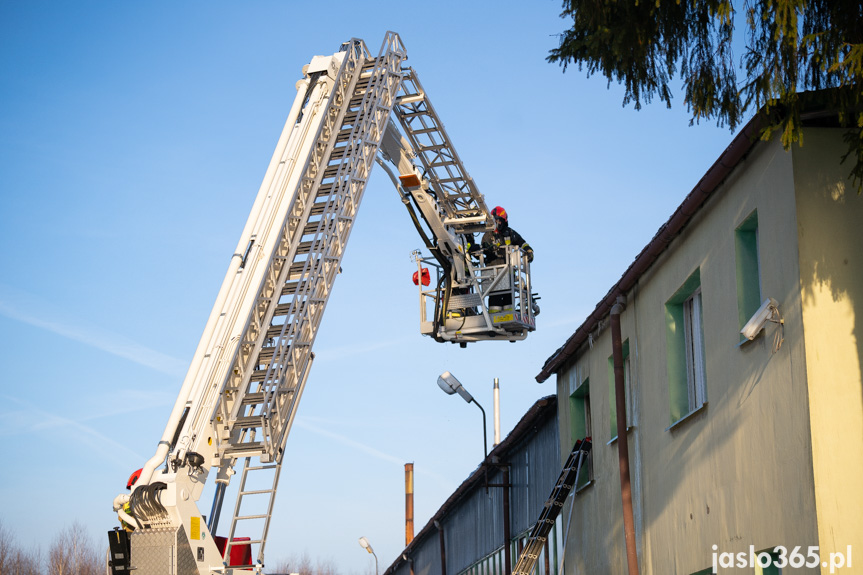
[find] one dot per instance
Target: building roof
(543, 409)
(708, 185)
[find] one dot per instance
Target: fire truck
(239, 398)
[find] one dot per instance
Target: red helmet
(499, 212)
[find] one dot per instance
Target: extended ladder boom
(242, 391)
(463, 205)
(433, 178)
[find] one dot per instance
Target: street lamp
(451, 385)
(364, 543)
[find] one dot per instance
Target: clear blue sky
(133, 139)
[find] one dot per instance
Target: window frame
(579, 401)
(686, 350)
(627, 392)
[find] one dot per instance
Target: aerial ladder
(240, 395)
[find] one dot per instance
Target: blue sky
(133, 139)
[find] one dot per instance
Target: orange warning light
(410, 181)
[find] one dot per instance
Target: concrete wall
(830, 236)
(738, 472)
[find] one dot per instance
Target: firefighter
(493, 246)
(502, 235)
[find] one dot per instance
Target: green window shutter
(579, 418)
(611, 395)
(748, 269)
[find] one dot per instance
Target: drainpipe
(507, 536)
(622, 441)
(442, 547)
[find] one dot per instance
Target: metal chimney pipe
(409, 503)
(496, 411)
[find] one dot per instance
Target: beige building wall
(754, 466)
(830, 236)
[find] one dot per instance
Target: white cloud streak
(31, 419)
(303, 423)
(103, 340)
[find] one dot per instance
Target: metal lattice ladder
(456, 193)
(567, 481)
(273, 358)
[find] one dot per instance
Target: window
(687, 386)
(694, 340)
(748, 269)
(579, 426)
(765, 567)
(627, 385)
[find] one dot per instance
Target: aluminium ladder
(456, 193)
(567, 481)
(272, 361)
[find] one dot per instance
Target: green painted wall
(738, 472)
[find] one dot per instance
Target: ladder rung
(320, 207)
(292, 287)
(274, 331)
(284, 309)
(324, 190)
(245, 449)
(305, 247)
(257, 492)
(436, 147)
(338, 153)
(267, 353)
(425, 130)
(312, 228)
(414, 115)
(245, 542)
(260, 467)
(442, 164)
(258, 375)
(332, 171)
(253, 398)
(249, 422)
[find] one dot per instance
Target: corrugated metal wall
(473, 525)
(535, 468)
(425, 556)
(474, 528)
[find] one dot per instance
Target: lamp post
(364, 543)
(451, 385)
